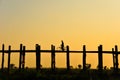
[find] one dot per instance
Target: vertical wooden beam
(84, 57)
(23, 58)
(20, 56)
(116, 56)
(68, 58)
(9, 52)
(52, 57)
(100, 58)
(37, 57)
(2, 57)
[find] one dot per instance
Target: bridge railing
(22, 51)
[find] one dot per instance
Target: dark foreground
(59, 74)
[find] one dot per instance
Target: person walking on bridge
(62, 45)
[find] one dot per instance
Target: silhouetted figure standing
(62, 45)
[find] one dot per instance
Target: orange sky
(46, 22)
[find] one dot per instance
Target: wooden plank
(58, 51)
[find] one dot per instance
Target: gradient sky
(77, 22)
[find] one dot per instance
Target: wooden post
(100, 58)
(20, 56)
(23, 58)
(84, 57)
(9, 52)
(2, 56)
(52, 57)
(116, 56)
(68, 59)
(37, 57)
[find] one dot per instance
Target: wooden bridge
(22, 51)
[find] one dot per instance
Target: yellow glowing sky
(77, 22)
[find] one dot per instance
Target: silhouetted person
(62, 45)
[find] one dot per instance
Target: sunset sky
(46, 22)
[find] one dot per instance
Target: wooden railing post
(116, 56)
(2, 56)
(52, 57)
(100, 58)
(84, 57)
(9, 52)
(68, 58)
(23, 58)
(20, 56)
(38, 57)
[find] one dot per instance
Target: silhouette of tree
(40, 66)
(88, 66)
(71, 67)
(12, 66)
(79, 66)
(27, 67)
(112, 68)
(105, 67)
